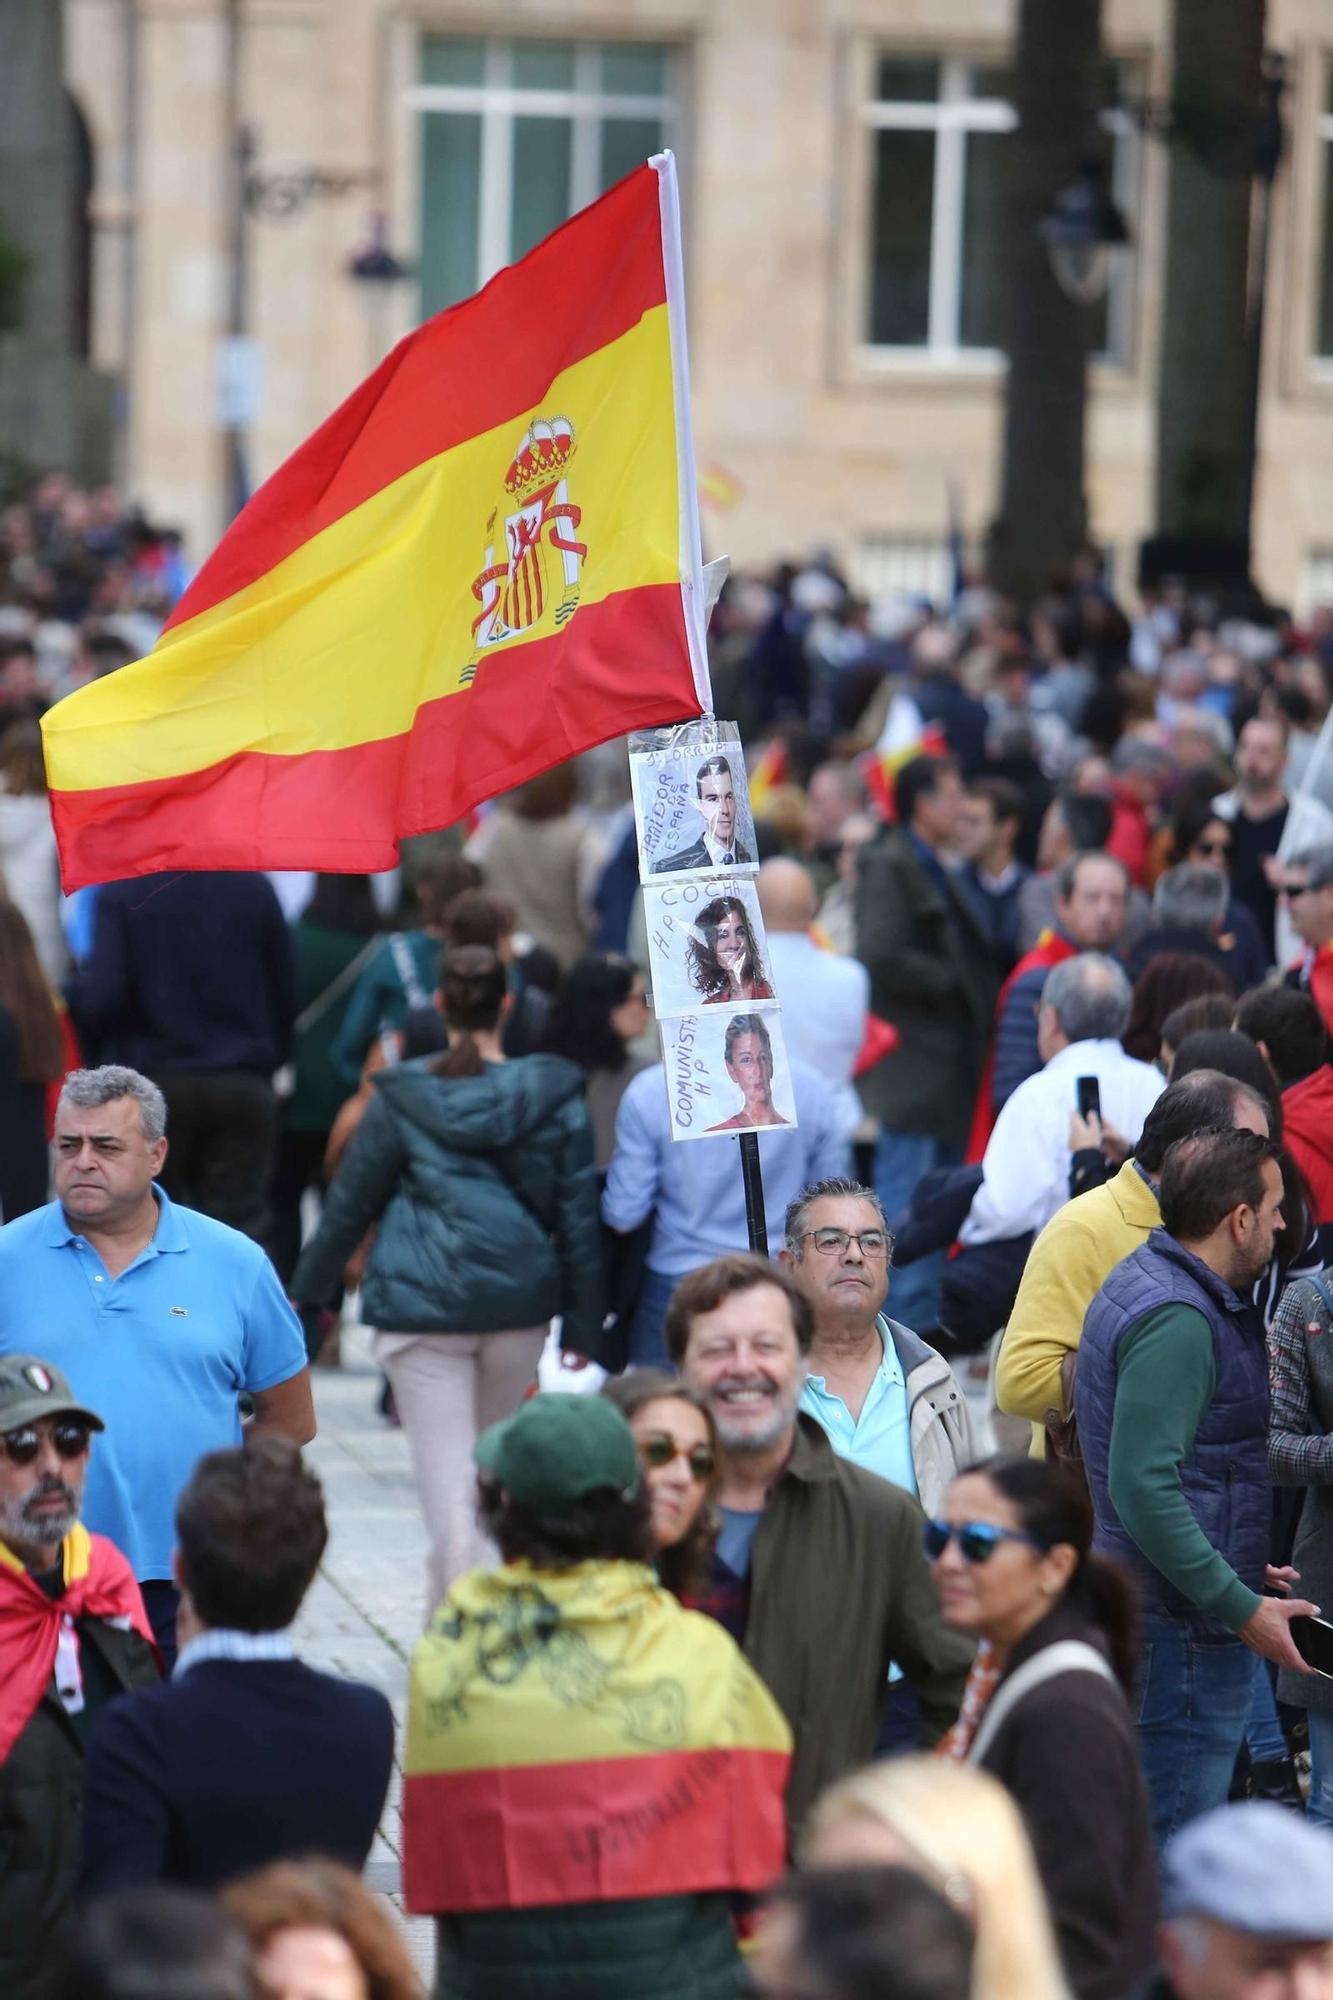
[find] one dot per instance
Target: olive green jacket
(840, 1588)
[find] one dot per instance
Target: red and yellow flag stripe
(580, 1738)
(321, 690)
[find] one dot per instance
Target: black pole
(756, 1222)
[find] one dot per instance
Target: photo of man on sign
(718, 844)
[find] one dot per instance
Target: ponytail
(1107, 1593)
(461, 1058)
(472, 988)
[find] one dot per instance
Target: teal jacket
(660, 1948)
(485, 1196)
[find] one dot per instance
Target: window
(937, 127)
(515, 136)
(904, 565)
(1324, 303)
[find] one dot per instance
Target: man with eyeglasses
(1306, 894)
(888, 1401)
(73, 1635)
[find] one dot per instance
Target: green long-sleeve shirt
(1164, 1383)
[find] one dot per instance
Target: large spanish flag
(578, 1737)
(485, 561)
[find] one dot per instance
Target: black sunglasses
(977, 1540)
(659, 1450)
(70, 1440)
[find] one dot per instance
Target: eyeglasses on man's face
(832, 1242)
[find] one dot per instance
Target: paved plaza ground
(366, 1607)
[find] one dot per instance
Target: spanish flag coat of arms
(484, 562)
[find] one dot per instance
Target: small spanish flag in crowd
(769, 770)
(905, 736)
(577, 1737)
(484, 562)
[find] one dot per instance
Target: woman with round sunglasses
(677, 1442)
(1047, 1708)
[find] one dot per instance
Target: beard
(20, 1524)
(744, 1436)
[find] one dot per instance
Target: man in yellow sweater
(1087, 1238)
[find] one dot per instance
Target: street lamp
(1081, 230)
(375, 269)
(279, 193)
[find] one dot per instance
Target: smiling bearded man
(819, 1572)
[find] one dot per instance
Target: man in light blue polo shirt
(160, 1317)
(888, 1401)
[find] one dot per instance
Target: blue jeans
(647, 1341)
(1263, 1732)
(1194, 1698)
(1320, 1807)
(901, 1158)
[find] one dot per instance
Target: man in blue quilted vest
(1172, 1402)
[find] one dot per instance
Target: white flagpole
(691, 543)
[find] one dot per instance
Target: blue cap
(1259, 1867)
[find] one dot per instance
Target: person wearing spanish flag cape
(594, 1775)
(73, 1635)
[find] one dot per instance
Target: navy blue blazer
(236, 1764)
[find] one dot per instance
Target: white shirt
(824, 1004)
(1025, 1171)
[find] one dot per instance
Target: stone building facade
(837, 160)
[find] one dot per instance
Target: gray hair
(1191, 897)
(86, 1089)
(836, 1188)
(1091, 997)
(1136, 753)
(1318, 860)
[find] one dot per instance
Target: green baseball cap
(556, 1449)
(31, 1388)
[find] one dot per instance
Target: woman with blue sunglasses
(1046, 1708)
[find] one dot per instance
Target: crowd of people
(760, 1653)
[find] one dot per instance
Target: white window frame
(499, 103)
(951, 116)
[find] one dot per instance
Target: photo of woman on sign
(749, 1059)
(724, 962)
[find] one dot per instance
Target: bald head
(786, 895)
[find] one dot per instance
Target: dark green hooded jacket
(485, 1197)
